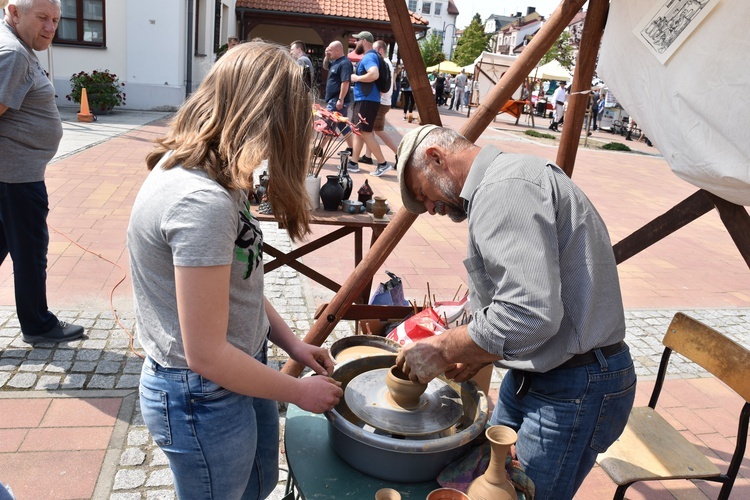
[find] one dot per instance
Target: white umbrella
(553, 70)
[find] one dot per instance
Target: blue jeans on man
(220, 444)
(24, 235)
(567, 417)
(331, 106)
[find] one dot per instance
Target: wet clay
(360, 351)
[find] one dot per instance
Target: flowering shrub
(328, 136)
(103, 88)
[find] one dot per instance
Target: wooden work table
(344, 222)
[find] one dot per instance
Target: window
(438, 8)
(81, 23)
(412, 5)
(426, 7)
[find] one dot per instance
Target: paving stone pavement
(104, 362)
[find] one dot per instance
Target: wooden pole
(596, 19)
(519, 71)
(402, 221)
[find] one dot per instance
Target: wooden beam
(694, 206)
(596, 19)
(737, 222)
(362, 275)
(519, 71)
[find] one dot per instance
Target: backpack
(405, 82)
(384, 78)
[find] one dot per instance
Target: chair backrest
(724, 358)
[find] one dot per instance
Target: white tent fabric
(553, 70)
(694, 107)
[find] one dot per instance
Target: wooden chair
(650, 449)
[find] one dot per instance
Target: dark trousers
(23, 234)
(407, 101)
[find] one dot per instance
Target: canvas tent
(445, 67)
(553, 70)
(488, 69)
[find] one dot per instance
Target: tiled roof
(579, 17)
(452, 9)
(371, 10)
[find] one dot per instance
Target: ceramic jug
(494, 483)
(331, 193)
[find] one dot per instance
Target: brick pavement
(78, 400)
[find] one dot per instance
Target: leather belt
(590, 356)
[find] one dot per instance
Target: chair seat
(651, 449)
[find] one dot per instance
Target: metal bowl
(352, 206)
(355, 341)
(402, 458)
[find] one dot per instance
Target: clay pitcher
(494, 484)
(404, 392)
(379, 208)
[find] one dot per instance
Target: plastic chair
(650, 449)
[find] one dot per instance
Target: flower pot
(331, 193)
(312, 185)
(494, 483)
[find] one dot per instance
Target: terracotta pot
(494, 484)
(387, 494)
(447, 494)
(404, 392)
(379, 208)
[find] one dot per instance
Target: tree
(432, 49)
(471, 44)
(562, 50)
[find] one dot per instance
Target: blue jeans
(331, 106)
(23, 234)
(220, 445)
(567, 418)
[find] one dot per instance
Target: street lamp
(453, 37)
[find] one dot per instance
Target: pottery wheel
(368, 398)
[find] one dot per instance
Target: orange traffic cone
(85, 115)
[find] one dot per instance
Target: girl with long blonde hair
(196, 256)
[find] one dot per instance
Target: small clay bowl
(404, 392)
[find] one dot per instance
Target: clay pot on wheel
(379, 208)
(494, 484)
(404, 392)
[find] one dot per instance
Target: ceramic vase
(447, 494)
(344, 178)
(331, 193)
(404, 392)
(494, 483)
(312, 185)
(379, 208)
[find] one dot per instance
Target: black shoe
(62, 332)
(365, 159)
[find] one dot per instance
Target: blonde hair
(252, 106)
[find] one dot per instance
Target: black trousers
(24, 235)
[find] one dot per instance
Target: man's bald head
(336, 49)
